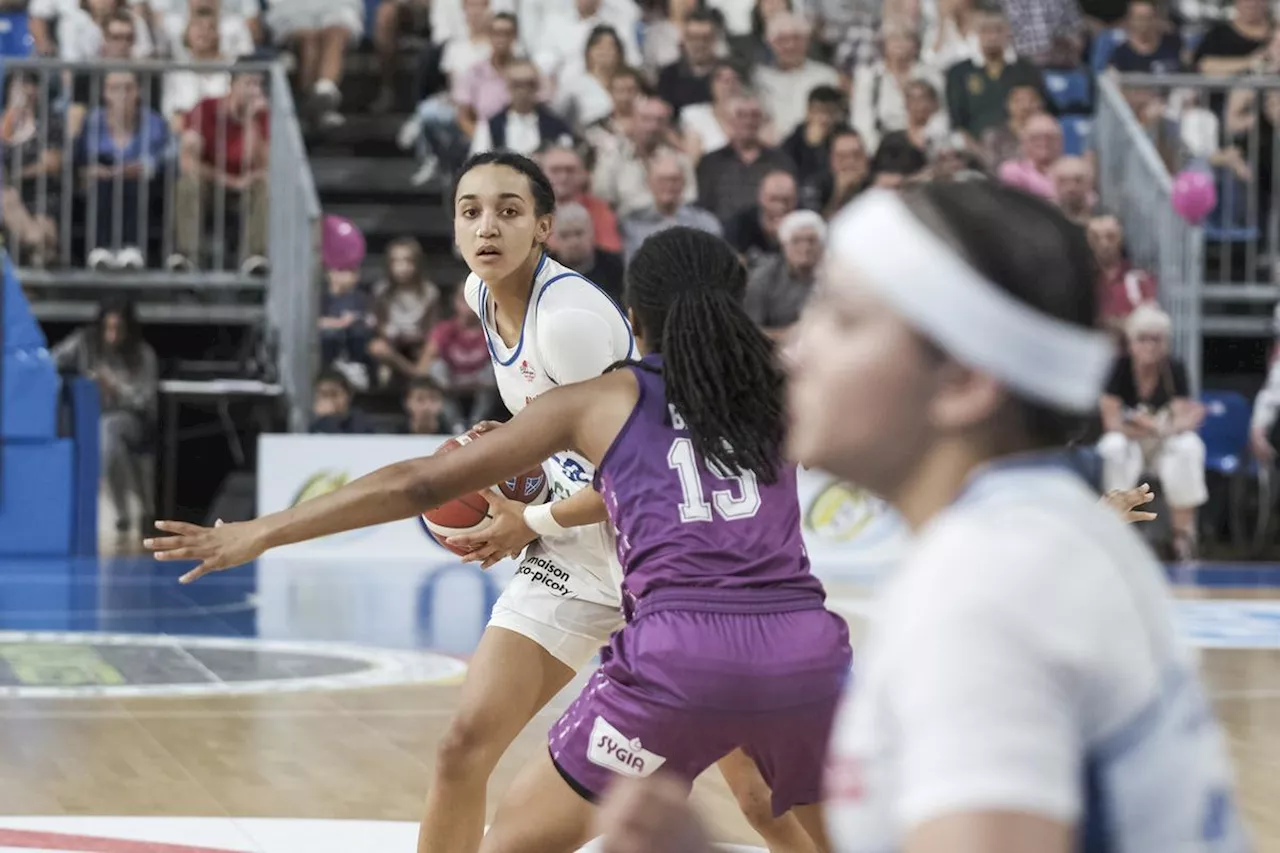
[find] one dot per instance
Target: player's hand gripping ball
(470, 514)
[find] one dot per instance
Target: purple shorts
(686, 683)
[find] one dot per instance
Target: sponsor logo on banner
(614, 751)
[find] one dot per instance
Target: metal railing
(1135, 183)
(108, 168)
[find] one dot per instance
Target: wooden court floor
(367, 754)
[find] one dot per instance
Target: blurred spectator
(83, 32)
(879, 104)
(113, 353)
(1003, 142)
(319, 32)
(852, 29)
(753, 48)
(850, 173)
(667, 184)
(347, 324)
(563, 40)
(809, 147)
(457, 357)
(392, 20)
(609, 132)
(1149, 46)
(184, 89)
(620, 177)
(978, 89)
(32, 138)
(1263, 436)
(784, 88)
(754, 231)
(525, 126)
(571, 244)
(118, 153)
(779, 287)
(951, 35)
(224, 150)
(406, 306)
(895, 162)
(569, 178)
(1150, 421)
(583, 98)
(952, 160)
(1041, 148)
(1121, 287)
(480, 92)
(331, 407)
(120, 36)
(462, 52)
(1231, 47)
(706, 127)
(1074, 190)
(688, 81)
(238, 24)
(729, 178)
(926, 126)
(424, 408)
(1046, 32)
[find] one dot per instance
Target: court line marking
(384, 667)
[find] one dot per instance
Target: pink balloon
(342, 245)
(1194, 195)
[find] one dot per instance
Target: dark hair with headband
(1024, 246)
(685, 290)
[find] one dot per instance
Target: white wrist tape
(541, 521)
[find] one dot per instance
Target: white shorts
(286, 18)
(566, 610)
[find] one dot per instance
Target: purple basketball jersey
(680, 524)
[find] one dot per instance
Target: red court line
(32, 840)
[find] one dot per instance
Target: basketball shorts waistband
(730, 601)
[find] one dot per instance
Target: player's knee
(756, 803)
(468, 747)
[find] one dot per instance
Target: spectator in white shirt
(879, 103)
(239, 27)
(784, 88)
(582, 95)
(524, 126)
(562, 40)
(82, 36)
(620, 175)
(184, 89)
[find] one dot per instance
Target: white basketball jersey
(572, 332)
(1025, 658)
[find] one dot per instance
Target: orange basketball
(470, 513)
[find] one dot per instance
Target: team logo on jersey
(612, 750)
(527, 371)
(532, 485)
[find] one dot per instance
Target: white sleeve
(984, 704)
(43, 9)
(471, 292)
(577, 338)
(482, 140)
(1267, 402)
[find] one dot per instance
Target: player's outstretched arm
(549, 424)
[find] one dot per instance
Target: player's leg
(540, 813)
(810, 817)
(509, 679)
(782, 834)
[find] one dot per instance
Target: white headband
(937, 292)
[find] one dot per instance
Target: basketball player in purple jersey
(728, 644)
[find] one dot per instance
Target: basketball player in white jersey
(1022, 687)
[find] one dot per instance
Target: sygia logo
(612, 750)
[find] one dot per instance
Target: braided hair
(685, 289)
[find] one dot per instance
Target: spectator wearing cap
(620, 175)
(879, 102)
(568, 176)
(525, 126)
(331, 407)
(688, 80)
(778, 289)
(1074, 190)
(809, 146)
(1121, 286)
(977, 89)
(729, 178)
(571, 244)
(754, 231)
(667, 185)
(785, 86)
(1041, 148)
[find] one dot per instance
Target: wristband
(542, 522)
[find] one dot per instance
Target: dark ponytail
(685, 288)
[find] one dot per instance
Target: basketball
(470, 513)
